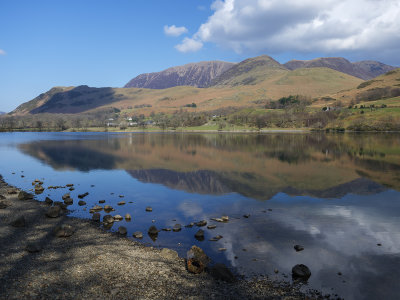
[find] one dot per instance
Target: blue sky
(106, 43)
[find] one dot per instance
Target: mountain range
(213, 85)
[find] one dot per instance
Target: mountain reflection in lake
(337, 195)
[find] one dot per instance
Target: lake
(338, 195)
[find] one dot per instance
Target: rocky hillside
(195, 74)
(250, 72)
(364, 69)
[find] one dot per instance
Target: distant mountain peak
(364, 69)
(193, 74)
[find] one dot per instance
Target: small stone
(48, 201)
(53, 212)
(81, 196)
(33, 248)
(379, 244)
(246, 216)
(301, 272)
(118, 218)
(128, 217)
(69, 185)
(108, 219)
(138, 235)
(298, 248)
(211, 226)
(148, 208)
(225, 218)
(122, 230)
(96, 208)
(276, 271)
(65, 196)
(199, 234)
(96, 217)
(81, 203)
(102, 201)
(177, 227)
(189, 225)
(19, 222)
(64, 230)
(68, 201)
(121, 196)
(168, 253)
(221, 249)
(339, 273)
(121, 203)
(108, 208)
(201, 223)
(71, 189)
(166, 229)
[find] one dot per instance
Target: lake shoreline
(93, 263)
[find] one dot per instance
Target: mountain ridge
(366, 69)
(193, 74)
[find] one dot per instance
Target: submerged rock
(211, 226)
(128, 217)
(152, 230)
(121, 203)
(301, 272)
(298, 248)
(199, 234)
(81, 203)
(149, 209)
(68, 201)
(102, 201)
(177, 227)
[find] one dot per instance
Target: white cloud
(174, 31)
(189, 45)
(275, 26)
(2, 52)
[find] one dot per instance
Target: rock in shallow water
(48, 201)
(122, 230)
(149, 209)
(128, 217)
(197, 260)
(138, 235)
(108, 219)
(199, 234)
(301, 272)
(81, 203)
(298, 248)
(177, 227)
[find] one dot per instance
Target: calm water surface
(337, 195)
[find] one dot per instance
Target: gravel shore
(95, 264)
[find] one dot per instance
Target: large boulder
(197, 260)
